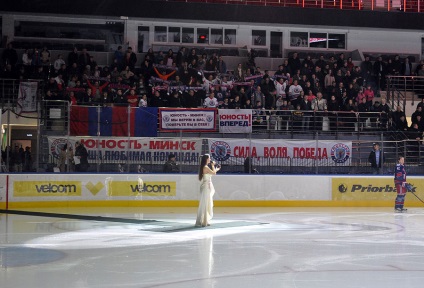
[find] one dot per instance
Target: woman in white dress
(205, 210)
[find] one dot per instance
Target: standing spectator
(132, 98)
(385, 113)
(321, 62)
(150, 56)
(70, 159)
(58, 63)
(376, 159)
(363, 112)
(380, 71)
(190, 100)
(333, 109)
(294, 63)
(143, 101)
(397, 116)
(27, 160)
(17, 158)
(400, 181)
(397, 65)
(369, 95)
(130, 59)
(171, 165)
(367, 69)
(193, 56)
(350, 64)
(169, 58)
(84, 60)
(45, 56)
(258, 97)
(10, 56)
(294, 92)
(211, 101)
(118, 57)
(81, 157)
(406, 68)
(62, 162)
(36, 58)
(181, 57)
(281, 86)
(156, 100)
(418, 111)
(73, 57)
(127, 75)
(349, 118)
(306, 107)
(221, 66)
(26, 59)
(175, 100)
(319, 106)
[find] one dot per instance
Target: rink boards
(82, 190)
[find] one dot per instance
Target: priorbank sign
(371, 189)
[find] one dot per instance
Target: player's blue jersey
(400, 174)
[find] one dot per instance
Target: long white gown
(205, 210)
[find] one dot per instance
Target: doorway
(276, 44)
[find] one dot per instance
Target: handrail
(387, 5)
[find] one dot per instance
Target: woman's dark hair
(203, 161)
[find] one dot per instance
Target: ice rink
(244, 247)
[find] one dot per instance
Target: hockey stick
(410, 188)
(417, 197)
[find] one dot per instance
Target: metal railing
(403, 88)
(387, 5)
(361, 128)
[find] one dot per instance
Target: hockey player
(400, 182)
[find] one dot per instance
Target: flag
(113, 121)
(146, 122)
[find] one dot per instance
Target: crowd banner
(235, 120)
(194, 120)
(318, 152)
(131, 150)
(27, 96)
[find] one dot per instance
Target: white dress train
(205, 210)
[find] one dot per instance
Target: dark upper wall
(222, 13)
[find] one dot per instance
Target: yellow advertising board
(371, 189)
(150, 188)
(46, 188)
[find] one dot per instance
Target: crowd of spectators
(188, 80)
(19, 159)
